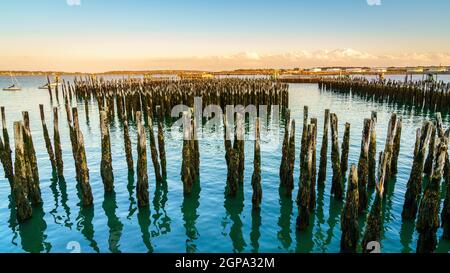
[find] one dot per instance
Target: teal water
(206, 221)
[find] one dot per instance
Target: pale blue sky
(119, 31)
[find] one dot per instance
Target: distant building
(378, 70)
(414, 69)
(354, 70)
(314, 70)
(333, 70)
(438, 69)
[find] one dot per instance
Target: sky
(105, 35)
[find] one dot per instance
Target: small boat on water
(15, 84)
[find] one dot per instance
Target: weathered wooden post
(373, 152)
(34, 191)
(48, 142)
(256, 177)
(396, 150)
(303, 147)
(161, 143)
(414, 185)
(24, 210)
(323, 151)
(7, 153)
(428, 217)
(186, 169)
(445, 214)
(312, 201)
(337, 185)
(232, 159)
(142, 176)
(363, 167)
(428, 167)
(49, 90)
(304, 196)
(106, 168)
(86, 191)
(374, 221)
(389, 146)
(345, 149)
(127, 143)
(57, 143)
(285, 148)
(239, 145)
(290, 162)
(154, 152)
(349, 218)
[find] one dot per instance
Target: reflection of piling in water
(34, 191)
(414, 185)
(256, 177)
(48, 142)
(323, 151)
(363, 167)
(337, 184)
(7, 152)
(57, 143)
(142, 176)
(428, 214)
(373, 152)
(349, 218)
(345, 150)
(20, 178)
(106, 168)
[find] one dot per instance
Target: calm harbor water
(206, 221)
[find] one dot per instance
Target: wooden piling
(34, 191)
(396, 149)
(24, 210)
(337, 185)
(428, 167)
(290, 162)
(313, 176)
(414, 185)
(285, 148)
(86, 191)
(445, 214)
(373, 152)
(256, 177)
(323, 151)
(428, 215)
(7, 153)
(161, 143)
(187, 177)
(142, 176)
(345, 149)
(57, 143)
(349, 217)
(304, 196)
(48, 142)
(154, 152)
(127, 143)
(106, 169)
(363, 167)
(374, 221)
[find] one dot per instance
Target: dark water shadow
(114, 224)
(234, 207)
(32, 232)
(334, 218)
(255, 233)
(12, 222)
(144, 223)
(190, 216)
(284, 220)
(406, 236)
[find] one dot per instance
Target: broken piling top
(2, 109)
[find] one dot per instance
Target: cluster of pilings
(144, 101)
(431, 95)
